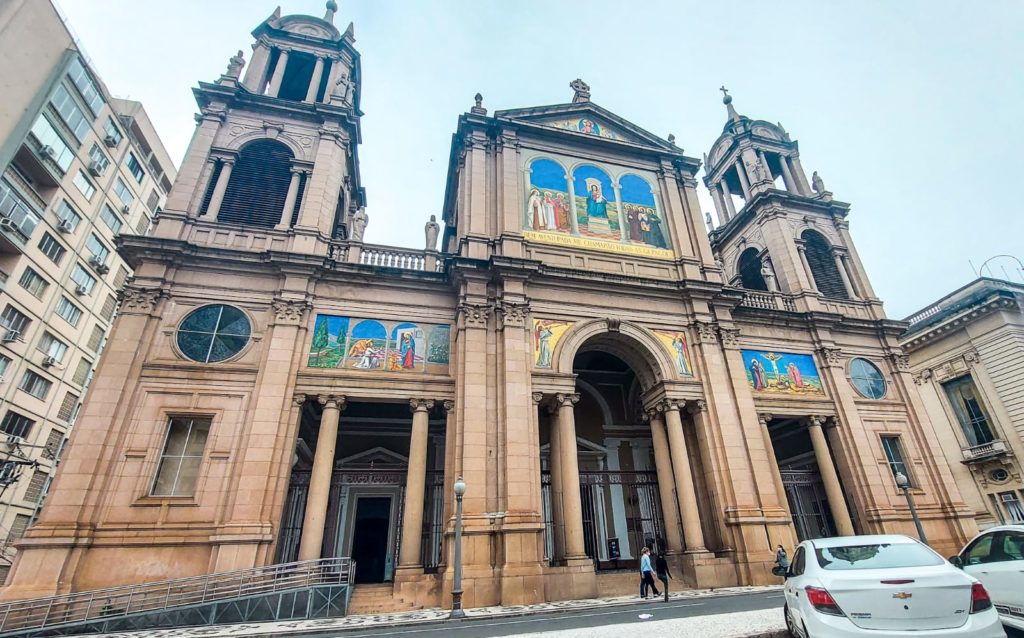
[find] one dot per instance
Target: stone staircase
(377, 599)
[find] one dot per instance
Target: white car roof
(843, 541)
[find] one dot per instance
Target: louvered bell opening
(750, 270)
(210, 187)
(823, 266)
(258, 186)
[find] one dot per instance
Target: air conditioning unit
(65, 226)
(49, 361)
(10, 335)
(98, 264)
(8, 224)
(14, 440)
(81, 290)
(126, 208)
(97, 168)
(48, 151)
(110, 141)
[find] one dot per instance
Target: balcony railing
(342, 251)
(984, 451)
(768, 301)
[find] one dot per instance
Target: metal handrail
(155, 596)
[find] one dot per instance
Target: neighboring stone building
(77, 167)
(602, 375)
(967, 356)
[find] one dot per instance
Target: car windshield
(876, 556)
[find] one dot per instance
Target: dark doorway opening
(801, 478)
(370, 538)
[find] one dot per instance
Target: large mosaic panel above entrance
(381, 346)
(782, 373)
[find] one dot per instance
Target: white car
(885, 587)
(996, 558)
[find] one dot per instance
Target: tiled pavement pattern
(428, 615)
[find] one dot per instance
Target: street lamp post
(457, 611)
(904, 484)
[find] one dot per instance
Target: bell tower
(274, 154)
(779, 233)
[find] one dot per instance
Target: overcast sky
(910, 111)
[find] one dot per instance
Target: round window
(213, 333)
(867, 378)
(998, 475)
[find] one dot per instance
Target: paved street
(694, 617)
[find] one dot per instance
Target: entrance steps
(376, 599)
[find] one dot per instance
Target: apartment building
(78, 167)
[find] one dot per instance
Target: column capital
(817, 421)
(332, 401)
(669, 405)
(831, 356)
(537, 397)
(707, 332)
(300, 399)
(297, 170)
(227, 161)
(763, 418)
(901, 361)
(730, 337)
(448, 406)
(566, 399)
(697, 406)
(421, 405)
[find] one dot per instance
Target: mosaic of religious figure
(643, 224)
(546, 333)
(596, 210)
(383, 346)
(782, 373)
(547, 207)
(680, 349)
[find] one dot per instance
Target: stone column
(802, 249)
(833, 489)
(574, 222)
(289, 199)
(787, 175)
(844, 264)
(255, 73)
(763, 420)
(666, 483)
(415, 488)
(764, 164)
(555, 467)
(275, 81)
(314, 83)
(572, 507)
(623, 234)
(843, 275)
(801, 177)
(723, 213)
(727, 195)
(219, 189)
(693, 536)
(187, 192)
(320, 478)
(741, 172)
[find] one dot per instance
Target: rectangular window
(18, 527)
(112, 133)
(51, 346)
(68, 311)
(183, 452)
(52, 248)
(110, 218)
(1013, 506)
(123, 192)
(96, 247)
(34, 491)
(14, 320)
(68, 214)
(153, 201)
(46, 135)
(970, 412)
(83, 185)
(135, 168)
(16, 209)
(107, 311)
(33, 282)
(68, 109)
(95, 339)
(35, 385)
(83, 279)
(67, 406)
(90, 93)
(142, 225)
(894, 455)
(101, 162)
(4, 362)
(53, 441)
(15, 424)
(121, 277)
(82, 371)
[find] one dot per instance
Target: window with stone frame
(109, 305)
(82, 371)
(68, 311)
(1011, 501)
(749, 267)
(95, 338)
(110, 218)
(14, 424)
(33, 282)
(970, 410)
(142, 225)
(894, 456)
(35, 385)
(181, 457)
(52, 248)
(51, 346)
(822, 262)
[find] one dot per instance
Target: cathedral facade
(603, 372)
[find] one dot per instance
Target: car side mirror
(957, 561)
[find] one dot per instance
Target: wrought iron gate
(808, 502)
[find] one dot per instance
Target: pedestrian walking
(661, 568)
(646, 574)
(781, 562)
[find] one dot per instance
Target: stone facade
(965, 355)
(578, 350)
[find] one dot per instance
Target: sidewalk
(760, 623)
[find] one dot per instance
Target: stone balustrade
(983, 451)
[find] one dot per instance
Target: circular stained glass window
(998, 475)
(213, 333)
(867, 378)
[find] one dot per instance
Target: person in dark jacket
(661, 568)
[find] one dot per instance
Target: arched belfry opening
(258, 186)
(822, 262)
(750, 270)
(623, 463)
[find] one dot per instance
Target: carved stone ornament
(901, 361)
(511, 313)
(299, 399)
(730, 337)
(972, 357)
(475, 315)
(707, 332)
(289, 310)
(537, 397)
(332, 401)
(139, 301)
(697, 406)
(564, 398)
(764, 418)
(831, 356)
(817, 421)
(424, 405)
(667, 405)
(613, 324)
(448, 406)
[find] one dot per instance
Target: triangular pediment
(586, 120)
(378, 457)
